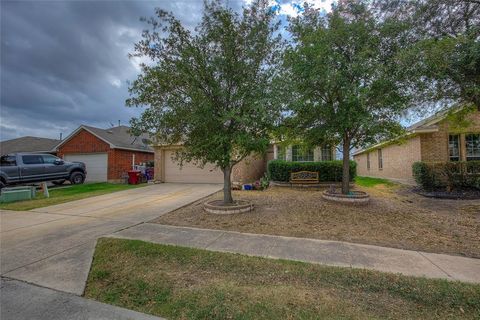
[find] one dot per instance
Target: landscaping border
(240, 206)
(355, 197)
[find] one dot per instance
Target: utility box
(15, 195)
(32, 189)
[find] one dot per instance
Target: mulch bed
(470, 194)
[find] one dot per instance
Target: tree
(345, 85)
(210, 90)
(445, 58)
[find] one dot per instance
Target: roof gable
(116, 137)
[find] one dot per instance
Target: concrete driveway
(53, 246)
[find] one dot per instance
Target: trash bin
(134, 177)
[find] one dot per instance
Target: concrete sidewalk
(20, 300)
(334, 253)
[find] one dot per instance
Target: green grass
(66, 194)
(184, 283)
(372, 182)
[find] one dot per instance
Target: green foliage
(453, 175)
(424, 175)
(444, 60)
(329, 171)
(372, 182)
(265, 181)
(211, 90)
(345, 85)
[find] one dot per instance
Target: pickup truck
(29, 167)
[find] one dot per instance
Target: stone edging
(358, 197)
(241, 206)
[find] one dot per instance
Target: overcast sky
(64, 63)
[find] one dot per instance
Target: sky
(65, 63)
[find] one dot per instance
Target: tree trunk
(346, 167)
(227, 185)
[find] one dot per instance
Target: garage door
(189, 173)
(97, 165)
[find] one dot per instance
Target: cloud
(65, 63)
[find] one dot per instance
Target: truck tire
(2, 184)
(77, 178)
(58, 182)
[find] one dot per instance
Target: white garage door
(97, 165)
(189, 173)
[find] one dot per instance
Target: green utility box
(17, 193)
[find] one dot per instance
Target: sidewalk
(20, 300)
(333, 253)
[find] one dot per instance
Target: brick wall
(120, 161)
(435, 145)
(397, 161)
(249, 169)
(83, 142)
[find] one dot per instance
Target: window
(326, 153)
(454, 147)
(472, 144)
(300, 153)
(8, 161)
(48, 158)
(32, 159)
(380, 159)
(368, 161)
(281, 154)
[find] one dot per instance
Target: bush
(328, 171)
(453, 175)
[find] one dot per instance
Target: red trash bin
(134, 177)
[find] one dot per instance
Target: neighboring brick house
(107, 153)
(433, 139)
(248, 170)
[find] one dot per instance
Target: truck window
(32, 159)
(8, 161)
(48, 158)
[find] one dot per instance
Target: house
(107, 153)
(248, 170)
(29, 144)
(436, 138)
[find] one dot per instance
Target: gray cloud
(64, 63)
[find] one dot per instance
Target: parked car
(32, 167)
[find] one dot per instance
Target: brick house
(433, 139)
(248, 170)
(107, 153)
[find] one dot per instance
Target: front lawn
(396, 217)
(372, 182)
(184, 283)
(66, 194)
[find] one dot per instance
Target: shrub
(328, 171)
(453, 175)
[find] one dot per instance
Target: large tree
(345, 85)
(445, 59)
(210, 89)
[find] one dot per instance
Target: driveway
(53, 246)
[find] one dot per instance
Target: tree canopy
(345, 86)
(210, 90)
(445, 58)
